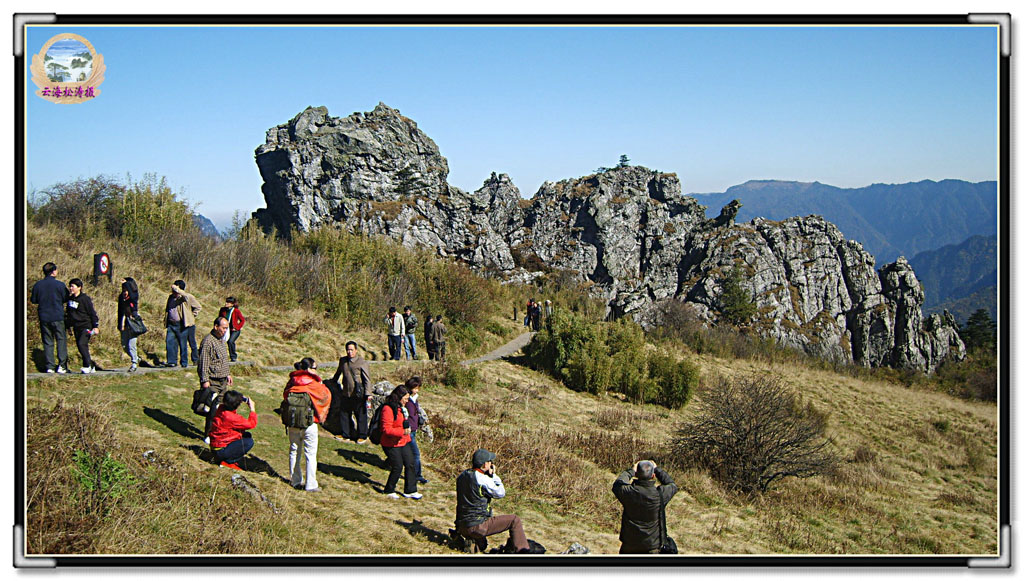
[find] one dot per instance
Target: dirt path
(503, 351)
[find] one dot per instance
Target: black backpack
(375, 427)
(297, 410)
(204, 400)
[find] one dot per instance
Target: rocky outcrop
(627, 232)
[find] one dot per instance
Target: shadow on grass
(39, 360)
(249, 462)
(174, 423)
(417, 527)
(350, 474)
(520, 360)
(360, 457)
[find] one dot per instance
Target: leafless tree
(753, 431)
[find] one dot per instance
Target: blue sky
(847, 106)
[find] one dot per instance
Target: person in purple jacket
(413, 385)
(51, 294)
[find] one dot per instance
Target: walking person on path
(80, 315)
(180, 320)
(410, 333)
(212, 367)
(396, 333)
(306, 387)
(236, 320)
(128, 306)
(437, 333)
(354, 374)
(428, 327)
(50, 295)
(395, 438)
(413, 385)
(643, 502)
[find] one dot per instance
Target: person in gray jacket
(474, 489)
(642, 502)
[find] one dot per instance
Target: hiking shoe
(422, 480)
(60, 369)
(133, 368)
(169, 365)
(414, 495)
(50, 370)
(88, 370)
(361, 441)
(393, 495)
(317, 489)
(229, 465)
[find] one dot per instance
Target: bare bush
(753, 431)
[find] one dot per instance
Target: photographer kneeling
(229, 439)
(474, 490)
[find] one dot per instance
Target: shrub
(751, 432)
(461, 377)
(675, 380)
(736, 305)
(84, 207)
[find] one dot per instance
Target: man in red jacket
(229, 439)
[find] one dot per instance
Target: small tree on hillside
(623, 160)
(736, 304)
(751, 432)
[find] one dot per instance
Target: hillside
(890, 220)
(960, 277)
(918, 472)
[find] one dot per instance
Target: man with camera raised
(474, 489)
(643, 527)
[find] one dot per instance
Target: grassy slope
(920, 475)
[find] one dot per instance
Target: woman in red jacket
(394, 438)
(236, 321)
(229, 439)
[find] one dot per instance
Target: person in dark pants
(437, 334)
(80, 316)
(642, 502)
(394, 438)
(354, 374)
(50, 295)
(474, 490)
(213, 368)
(395, 324)
(410, 333)
(236, 321)
(180, 317)
(128, 306)
(428, 329)
(229, 439)
(413, 385)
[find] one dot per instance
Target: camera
(245, 398)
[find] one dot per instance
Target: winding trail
(503, 351)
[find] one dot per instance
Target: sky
(847, 106)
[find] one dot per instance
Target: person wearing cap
(643, 503)
(474, 489)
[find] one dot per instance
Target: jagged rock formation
(628, 231)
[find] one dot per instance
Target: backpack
(375, 427)
(297, 411)
(204, 400)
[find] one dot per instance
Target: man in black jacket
(51, 294)
(642, 529)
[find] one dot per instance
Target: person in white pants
(301, 431)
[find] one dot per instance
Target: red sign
(104, 263)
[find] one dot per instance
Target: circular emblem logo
(104, 263)
(67, 70)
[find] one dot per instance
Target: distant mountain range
(959, 278)
(206, 226)
(890, 220)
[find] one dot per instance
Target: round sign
(104, 263)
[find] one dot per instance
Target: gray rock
(628, 233)
(576, 549)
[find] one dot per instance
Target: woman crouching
(229, 439)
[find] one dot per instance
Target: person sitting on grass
(229, 439)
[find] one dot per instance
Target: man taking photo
(643, 529)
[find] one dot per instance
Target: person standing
(643, 502)
(354, 375)
(81, 317)
(128, 306)
(180, 320)
(394, 438)
(437, 333)
(396, 332)
(535, 316)
(410, 333)
(305, 381)
(428, 327)
(474, 490)
(50, 295)
(413, 406)
(212, 366)
(236, 321)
